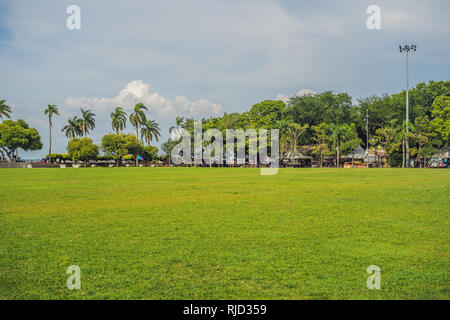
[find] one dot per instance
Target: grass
(218, 233)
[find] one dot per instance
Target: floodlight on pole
(407, 49)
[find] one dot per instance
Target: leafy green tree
(381, 111)
(168, 146)
(87, 121)
(386, 137)
(229, 121)
(150, 129)
(321, 138)
(403, 136)
(423, 95)
(338, 134)
(426, 140)
(50, 111)
(295, 131)
(5, 110)
(119, 145)
(283, 126)
(440, 122)
(82, 149)
(118, 119)
(138, 118)
(73, 128)
(351, 140)
(150, 153)
(266, 114)
(306, 109)
(18, 135)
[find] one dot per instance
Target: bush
(60, 156)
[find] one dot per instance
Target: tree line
(323, 125)
(17, 134)
(328, 125)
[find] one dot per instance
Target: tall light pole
(367, 138)
(407, 49)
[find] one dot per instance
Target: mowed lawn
(222, 233)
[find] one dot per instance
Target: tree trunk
(50, 141)
(338, 164)
(403, 151)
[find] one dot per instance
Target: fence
(8, 165)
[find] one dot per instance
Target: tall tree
(138, 118)
(50, 111)
(118, 119)
(386, 137)
(440, 111)
(321, 138)
(87, 121)
(150, 130)
(423, 140)
(295, 131)
(402, 137)
(168, 146)
(283, 126)
(351, 141)
(338, 133)
(72, 129)
(5, 110)
(175, 130)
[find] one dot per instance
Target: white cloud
(301, 93)
(160, 106)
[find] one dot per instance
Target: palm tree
(5, 110)
(138, 118)
(119, 119)
(50, 111)
(338, 133)
(150, 130)
(178, 124)
(73, 129)
(87, 121)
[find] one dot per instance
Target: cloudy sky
(205, 57)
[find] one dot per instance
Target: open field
(218, 233)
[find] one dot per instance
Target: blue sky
(199, 58)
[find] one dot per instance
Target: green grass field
(218, 233)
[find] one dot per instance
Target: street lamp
(407, 49)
